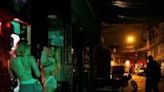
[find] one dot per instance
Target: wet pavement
(140, 80)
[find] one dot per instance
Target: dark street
(81, 45)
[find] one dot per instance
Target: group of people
(25, 68)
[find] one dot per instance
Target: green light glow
(16, 26)
(56, 39)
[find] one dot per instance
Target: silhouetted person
(153, 74)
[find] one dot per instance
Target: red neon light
(8, 25)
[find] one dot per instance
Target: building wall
(157, 42)
(160, 40)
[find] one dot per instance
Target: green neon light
(16, 26)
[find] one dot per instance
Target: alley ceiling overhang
(123, 11)
(127, 16)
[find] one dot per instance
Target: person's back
(153, 71)
(23, 67)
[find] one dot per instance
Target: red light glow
(0, 28)
(8, 25)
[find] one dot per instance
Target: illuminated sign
(16, 26)
(55, 38)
